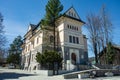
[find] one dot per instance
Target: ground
(16, 74)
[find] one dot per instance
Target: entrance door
(73, 57)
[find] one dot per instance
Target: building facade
(71, 44)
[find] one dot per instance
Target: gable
(72, 13)
(31, 27)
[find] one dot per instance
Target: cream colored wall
(81, 40)
(39, 36)
(64, 33)
(32, 45)
(61, 33)
(85, 44)
(74, 23)
(72, 11)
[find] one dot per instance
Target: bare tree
(2, 37)
(99, 28)
(93, 26)
(106, 28)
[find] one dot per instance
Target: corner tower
(73, 43)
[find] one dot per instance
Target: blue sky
(19, 13)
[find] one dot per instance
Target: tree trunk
(95, 51)
(54, 34)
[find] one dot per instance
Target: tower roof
(72, 13)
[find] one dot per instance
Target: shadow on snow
(12, 75)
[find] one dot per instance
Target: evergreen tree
(110, 53)
(15, 51)
(53, 9)
(48, 58)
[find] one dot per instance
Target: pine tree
(15, 51)
(53, 9)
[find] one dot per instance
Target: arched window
(73, 57)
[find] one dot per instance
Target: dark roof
(32, 26)
(37, 26)
(114, 46)
(73, 18)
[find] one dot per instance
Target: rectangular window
(37, 40)
(68, 26)
(77, 28)
(73, 39)
(70, 39)
(77, 40)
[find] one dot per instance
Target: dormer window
(75, 15)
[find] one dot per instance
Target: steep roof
(72, 13)
(31, 27)
(74, 18)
